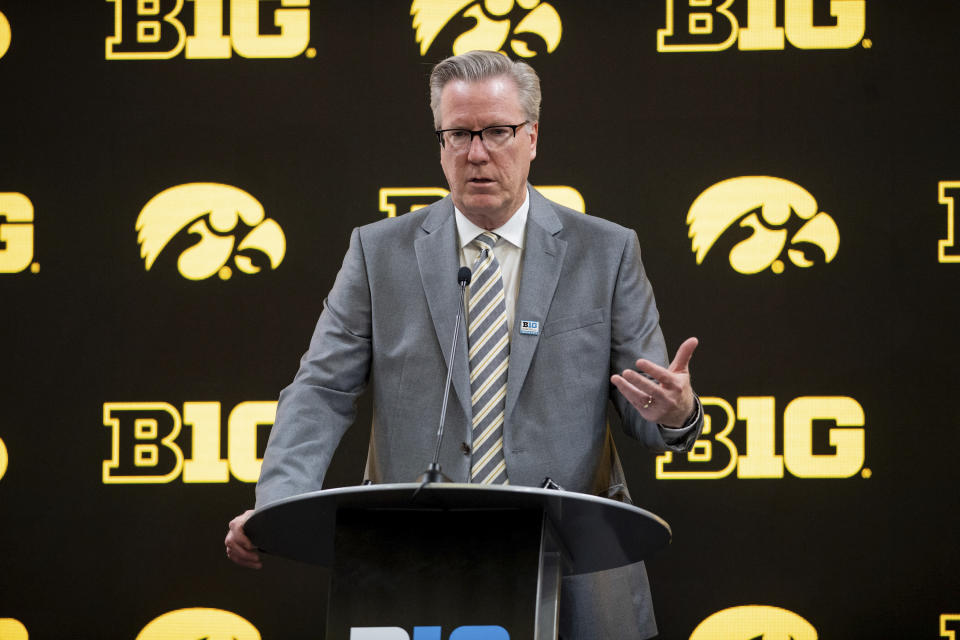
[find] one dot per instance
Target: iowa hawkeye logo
(529, 26)
(4, 35)
(217, 214)
(754, 622)
(199, 622)
(780, 219)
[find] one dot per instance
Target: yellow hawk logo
(212, 212)
(754, 622)
(13, 629)
(4, 34)
(199, 624)
(779, 213)
(522, 23)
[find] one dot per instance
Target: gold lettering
(152, 36)
(703, 451)
(698, 25)
(759, 461)
(242, 428)
(142, 446)
(798, 437)
(16, 232)
(702, 24)
(946, 248)
(294, 27)
(208, 40)
(849, 30)
(949, 625)
(761, 32)
(205, 464)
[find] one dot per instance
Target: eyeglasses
(493, 137)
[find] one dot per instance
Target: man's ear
(534, 136)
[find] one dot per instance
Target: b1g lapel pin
(530, 327)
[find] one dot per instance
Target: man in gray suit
(560, 320)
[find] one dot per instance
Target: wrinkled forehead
(489, 100)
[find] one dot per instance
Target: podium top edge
(465, 488)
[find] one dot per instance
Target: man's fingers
(652, 369)
(641, 382)
(237, 534)
(239, 547)
(239, 541)
(244, 558)
(634, 396)
(639, 391)
(682, 360)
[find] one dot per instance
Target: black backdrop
(87, 331)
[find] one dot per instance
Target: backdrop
(178, 185)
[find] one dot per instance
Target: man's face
(487, 186)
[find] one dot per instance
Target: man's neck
(490, 222)
(494, 220)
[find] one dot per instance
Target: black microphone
(433, 473)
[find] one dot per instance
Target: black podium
(452, 561)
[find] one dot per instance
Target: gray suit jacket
(389, 318)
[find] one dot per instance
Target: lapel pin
(530, 327)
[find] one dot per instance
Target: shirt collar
(512, 230)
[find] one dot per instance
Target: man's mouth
(480, 180)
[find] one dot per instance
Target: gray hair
(481, 65)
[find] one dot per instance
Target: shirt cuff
(672, 435)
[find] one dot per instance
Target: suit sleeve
(635, 333)
(319, 405)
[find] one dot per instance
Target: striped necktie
(489, 354)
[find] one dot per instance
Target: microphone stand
(433, 472)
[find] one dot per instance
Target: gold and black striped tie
(489, 356)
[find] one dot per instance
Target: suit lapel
(542, 260)
(438, 261)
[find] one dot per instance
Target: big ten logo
(950, 626)
(947, 251)
(475, 632)
(5, 35)
(16, 233)
(823, 437)
(160, 29)
(11, 629)
(198, 622)
(398, 200)
(530, 26)
(146, 447)
(754, 622)
(769, 221)
(713, 25)
(217, 214)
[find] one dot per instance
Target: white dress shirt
(508, 250)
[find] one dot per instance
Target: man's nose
(477, 151)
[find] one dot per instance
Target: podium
(452, 561)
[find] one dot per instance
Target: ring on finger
(648, 403)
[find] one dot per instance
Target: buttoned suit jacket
(388, 323)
